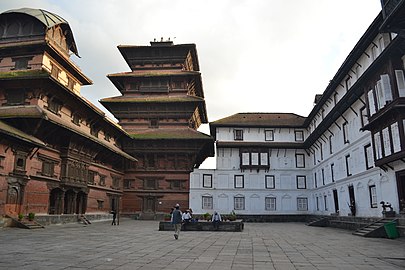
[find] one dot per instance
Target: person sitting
(216, 220)
(186, 218)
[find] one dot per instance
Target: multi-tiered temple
(161, 106)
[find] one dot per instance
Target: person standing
(177, 220)
(114, 213)
(216, 220)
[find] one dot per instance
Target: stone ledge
(226, 226)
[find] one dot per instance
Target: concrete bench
(227, 226)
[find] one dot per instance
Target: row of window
(270, 203)
(260, 159)
(269, 181)
(154, 184)
(268, 135)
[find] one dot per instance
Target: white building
(350, 150)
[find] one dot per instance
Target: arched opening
(81, 203)
(69, 202)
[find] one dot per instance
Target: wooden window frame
(268, 203)
(270, 181)
(269, 135)
(207, 180)
(236, 178)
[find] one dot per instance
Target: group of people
(180, 219)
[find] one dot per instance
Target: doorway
(401, 190)
(352, 200)
(336, 200)
(149, 205)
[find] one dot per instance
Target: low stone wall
(227, 226)
(63, 219)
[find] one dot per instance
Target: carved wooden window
(115, 182)
(270, 203)
(301, 182)
(21, 63)
(270, 181)
(90, 177)
(150, 184)
(302, 204)
(15, 97)
(48, 168)
(150, 161)
(207, 180)
(176, 184)
(20, 161)
(2, 162)
(54, 105)
(102, 180)
(100, 204)
(128, 183)
(254, 159)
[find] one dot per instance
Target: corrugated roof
(261, 120)
(169, 134)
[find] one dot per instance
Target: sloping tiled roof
(261, 120)
(169, 134)
(18, 134)
(22, 74)
(34, 111)
(152, 99)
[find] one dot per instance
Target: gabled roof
(49, 20)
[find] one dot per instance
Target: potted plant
(31, 216)
(167, 217)
(207, 216)
(20, 216)
(232, 216)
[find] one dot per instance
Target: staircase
(318, 221)
(25, 223)
(375, 229)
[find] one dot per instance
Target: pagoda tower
(161, 106)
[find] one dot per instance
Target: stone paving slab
(136, 244)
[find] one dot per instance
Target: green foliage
(31, 216)
(20, 216)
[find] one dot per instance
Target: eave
(9, 131)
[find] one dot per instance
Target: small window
(323, 176)
(100, 204)
(345, 133)
(150, 184)
(270, 182)
(207, 202)
(239, 203)
(175, 184)
(299, 135)
(48, 168)
(302, 204)
(368, 152)
(330, 145)
(332, 171)
(301, 182)
(269, 135)
(270, 203)
(90, 177)
(325, 202)
(116, 182)
(154, 123)
(300, 160)
(373, 196)
(239, 182)
(21, 63)
(363, 116)
(207, 180)
(238, 134)
(102, 180)
(347, 159)
(54, 105)
(128, 183)
(15, 97)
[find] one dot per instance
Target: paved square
(139, 245)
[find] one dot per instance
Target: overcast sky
(255, 55)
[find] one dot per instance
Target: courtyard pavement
(140, 245)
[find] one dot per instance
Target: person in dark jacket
(114, 213)
(177, 220)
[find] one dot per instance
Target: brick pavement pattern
(139, 245)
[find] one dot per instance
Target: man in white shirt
(216, 220)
